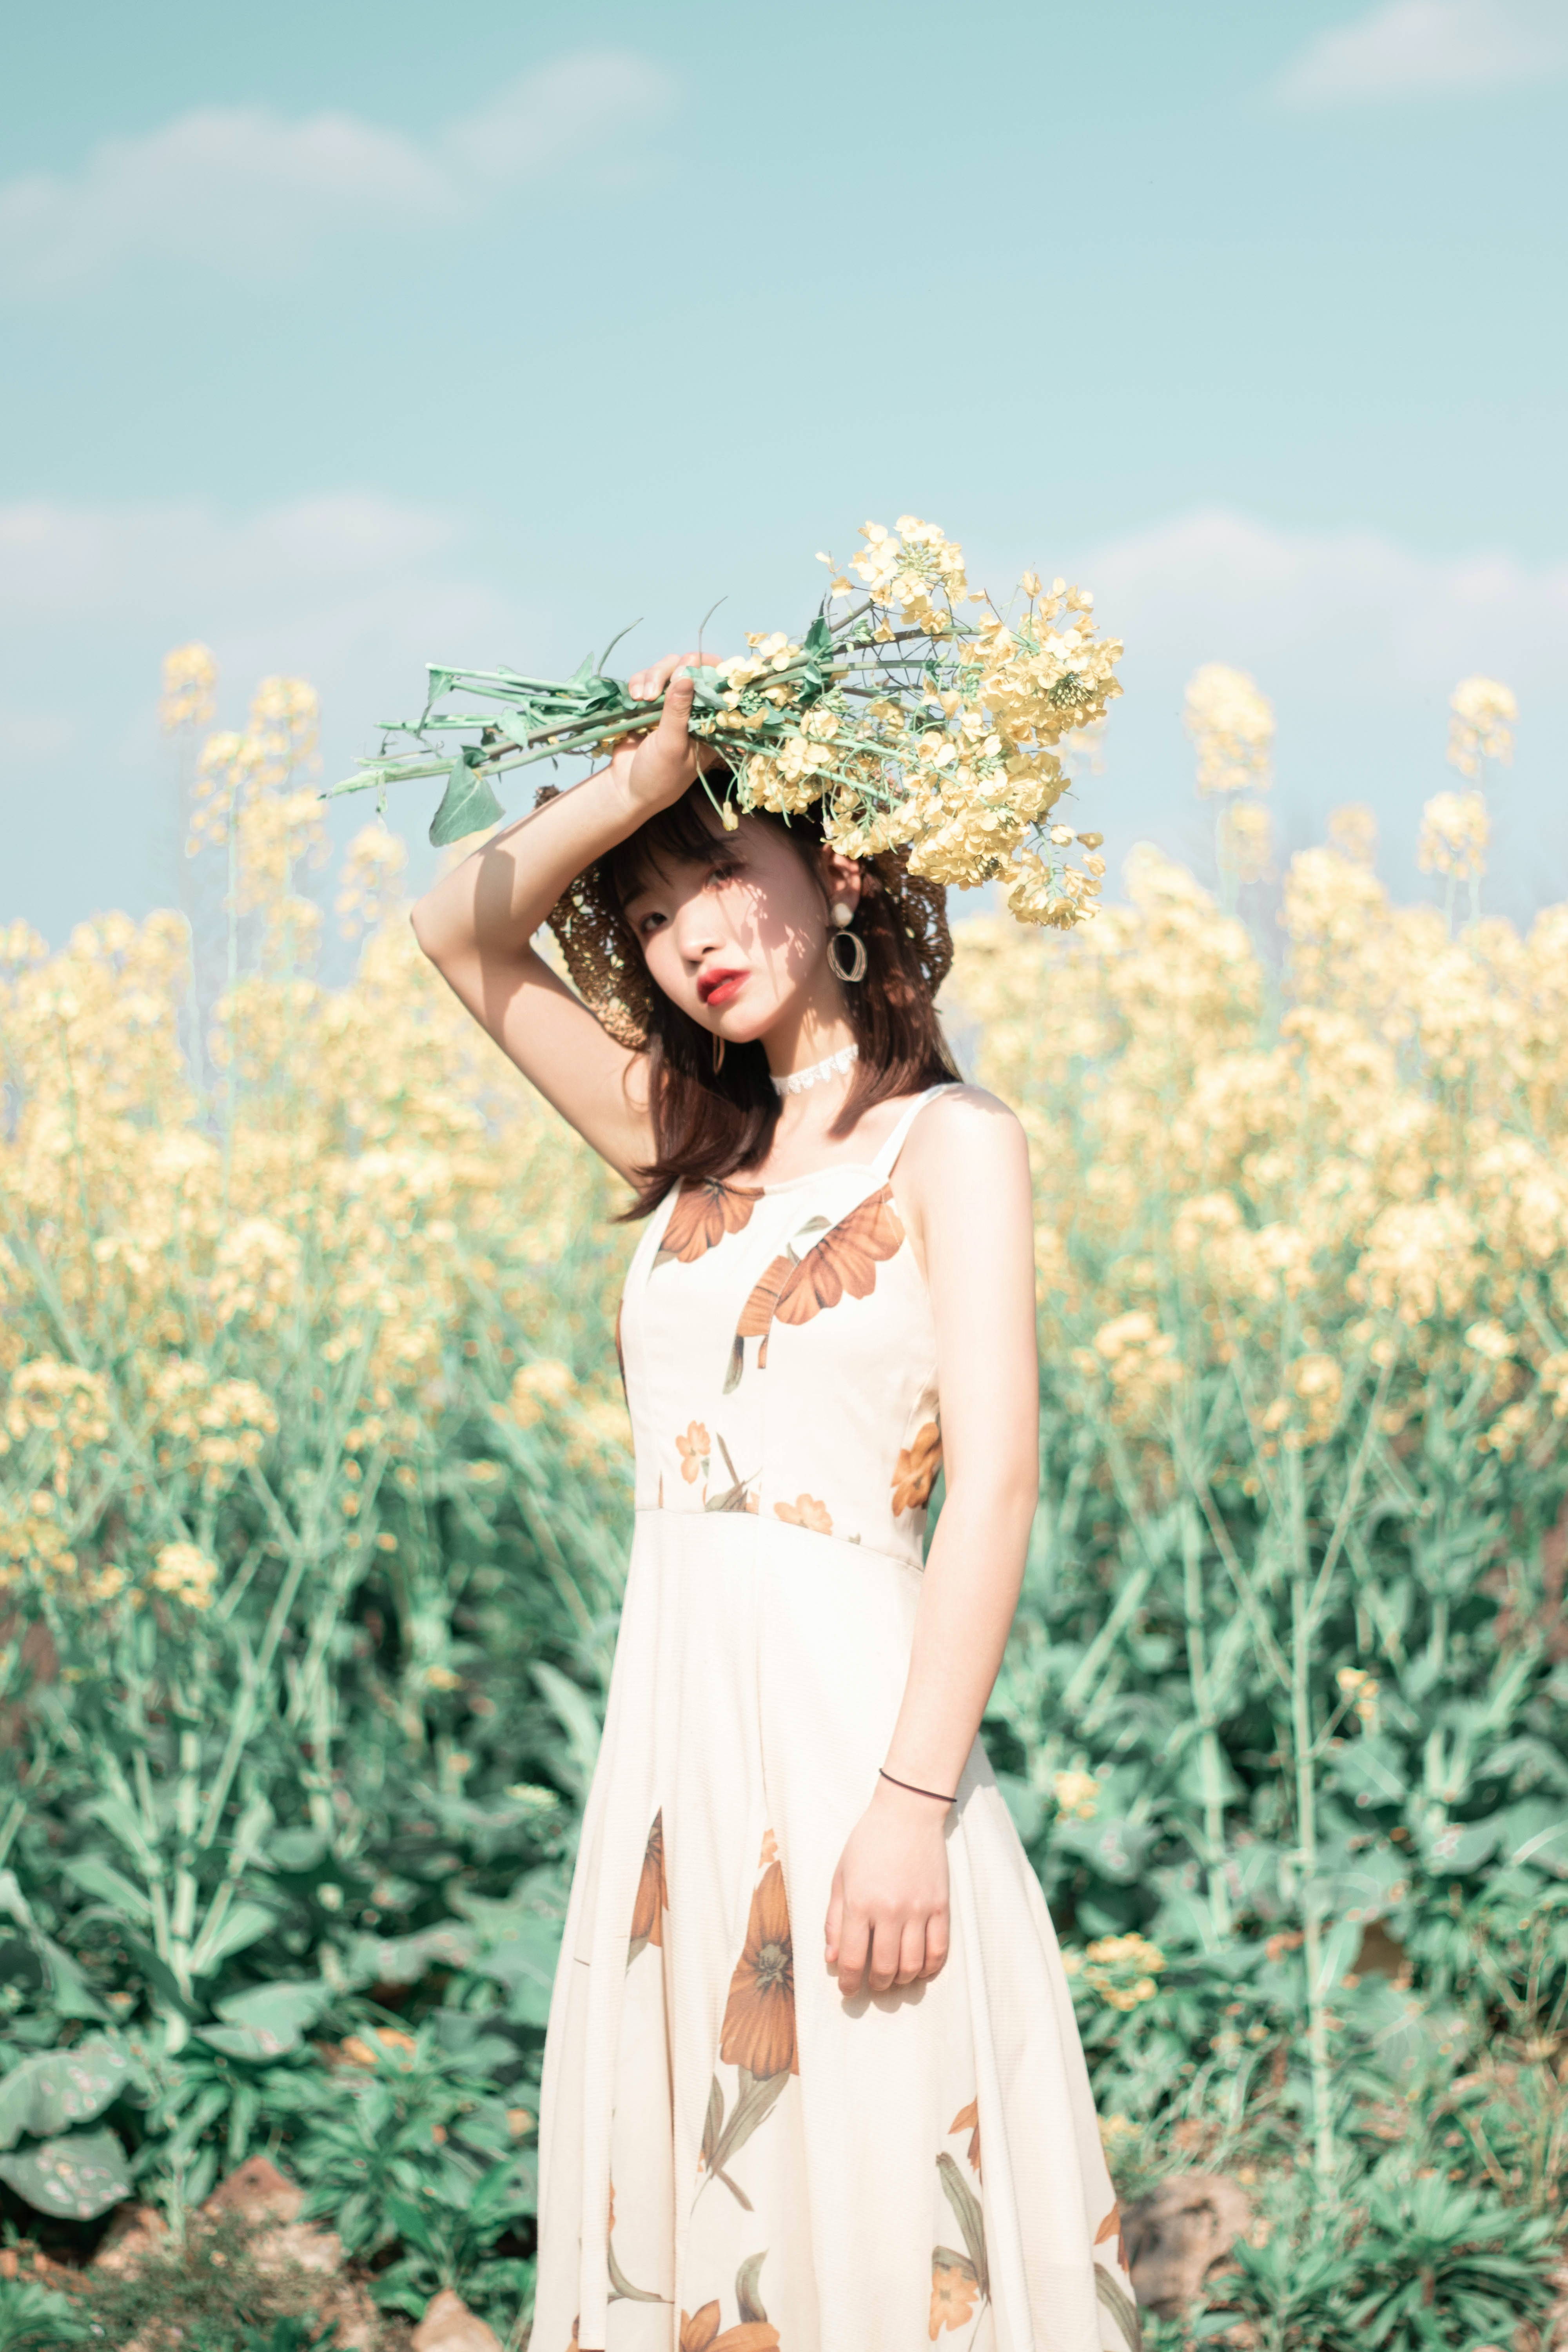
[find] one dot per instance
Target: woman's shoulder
(964, 1130)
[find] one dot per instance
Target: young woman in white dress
(812, 2079)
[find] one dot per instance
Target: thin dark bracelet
(917, 1792)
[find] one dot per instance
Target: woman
(812, 2077)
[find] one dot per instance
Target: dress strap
(882, 1166)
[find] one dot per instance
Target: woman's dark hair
(710, 1124)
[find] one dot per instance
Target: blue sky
(345, 338)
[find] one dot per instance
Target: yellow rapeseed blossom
(190, 682)
(1231, 721)
(1455, 829)
(1482, 716)
(1122, 1969)
(1352, 830)
(185, 1573)
(1075, 1793)
(1246, 840)
(372, 874)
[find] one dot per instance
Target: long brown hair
(710, 1124)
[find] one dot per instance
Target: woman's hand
(655, 768)
(887, 1917)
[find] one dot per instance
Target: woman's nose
(697, 931)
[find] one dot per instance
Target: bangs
(688, 832)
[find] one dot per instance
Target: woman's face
(741, 939)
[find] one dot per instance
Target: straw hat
(606, 965)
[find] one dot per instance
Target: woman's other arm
(477, 926)
(965, 1170)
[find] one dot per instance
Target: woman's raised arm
(477, 926)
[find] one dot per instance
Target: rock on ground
(1176, 2234)
(448, 2326)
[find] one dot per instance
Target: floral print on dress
(694, 1447)
(757, 2037)
(753, 2331)
(842, 1264)
(805, 1511)
(705, 1211)
(652, 1896)
(740, 1495)
(759, 2018)
(914, 1473)
(968, 2119)
(1112, 2293)
(961, 2280)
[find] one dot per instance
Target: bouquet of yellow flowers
(913, 720)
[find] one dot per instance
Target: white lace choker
(798, 1080)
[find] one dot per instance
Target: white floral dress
(734, 2156)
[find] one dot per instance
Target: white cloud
(1406, 49)
(89, 563)
(1354, 611)
(536, 123)
(240, 189)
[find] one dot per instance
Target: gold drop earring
(843, 915)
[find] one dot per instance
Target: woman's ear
(841, 877)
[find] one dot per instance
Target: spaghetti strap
(882, 1165)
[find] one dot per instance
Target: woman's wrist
(913, 1792)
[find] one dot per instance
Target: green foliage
(34, 2319)
(450, 2236)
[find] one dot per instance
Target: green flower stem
(1210, 1762)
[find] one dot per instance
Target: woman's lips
(727, 985)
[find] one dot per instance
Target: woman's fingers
(833, 1929)
(677, 711)
(887, 1939)
(872, 1953)
(854, 1951)
(647, 684)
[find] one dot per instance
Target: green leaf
(621, 2287)
(34, 2319)
(76, 2179)
(246, 1923)
(412, 2225)
(1114, 2296)
(1336, 1953)
(97, 1877)
(404, 1959)
(296, 1850)
(268, 2022)
(747, 2293)
(967, 2213)
(1369, 1884)
(712, 2123)
(1371, 1771)
(570, 1705)
(467, 806)
(1462, 1846)
(757, 2097)
(1535, 1831)
(525, 1963)
(43, 2095)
